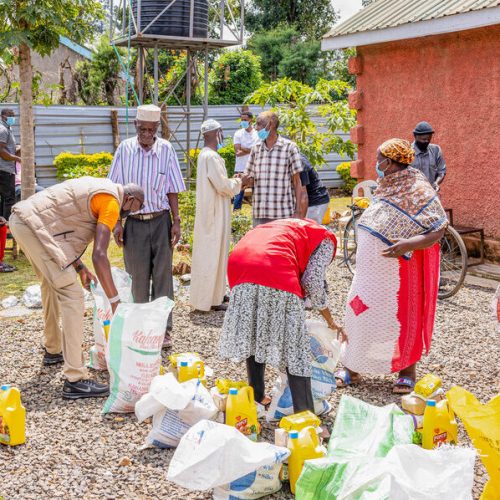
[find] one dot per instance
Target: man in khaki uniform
(53, 228)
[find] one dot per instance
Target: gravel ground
(74, 452)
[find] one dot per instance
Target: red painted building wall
(453, 82)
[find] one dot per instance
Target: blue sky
(346, 7)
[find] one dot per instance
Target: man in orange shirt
(53, 228)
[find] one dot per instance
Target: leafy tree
(311, 116)
(234, 76)
(98, 79)
(284, 53)
(311, 18)
(338, 67)
(37, 25)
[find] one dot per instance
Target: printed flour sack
(102, 312)
(134, 351)
(175, 408)
(325, 350)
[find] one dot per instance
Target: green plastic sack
(361, 432)
(367, 430)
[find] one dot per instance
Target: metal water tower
(193, 26)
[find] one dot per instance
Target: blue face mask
(244, 124)
(220, 146)
(380, 173)
(263, 134)
(10, 121)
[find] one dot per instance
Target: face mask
(380, 173)
(263, 134)
(220, 146)
(244, 124)
(10, 121)
(422, 145)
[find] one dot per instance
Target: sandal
(403, 385)
(345, 378)
(7, 268)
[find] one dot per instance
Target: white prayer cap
(148, 113)
(209, 125)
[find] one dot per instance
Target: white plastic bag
(408, 472)
(32, 297)
(211, 455)
(257, 484)
(102, 312)
(10, 301)
(175, 408)
(325, 350)
(134, 351)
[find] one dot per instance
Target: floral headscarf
(398, 150)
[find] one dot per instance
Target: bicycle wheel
(453, 266)
(350, 244)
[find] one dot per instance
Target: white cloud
(346, 7)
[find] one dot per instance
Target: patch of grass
(340, 204)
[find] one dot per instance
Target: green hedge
(344, 170)
(71, 166)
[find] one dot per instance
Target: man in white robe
(212, 225)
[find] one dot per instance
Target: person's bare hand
(397, 250)
(3, 221)
(240, 153)
(118, 234)
(341, 335)
(86, 277)
(175, 233)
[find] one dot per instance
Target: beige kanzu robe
(212, 229)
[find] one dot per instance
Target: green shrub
(187, 209)
(227, 152)
(71, 166)
(240, 225)
(344, 170)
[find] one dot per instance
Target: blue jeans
(238, 200)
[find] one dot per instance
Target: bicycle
(453, 263)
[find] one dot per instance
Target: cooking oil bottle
(440, 425)
(12, 417)
(241, 412)
(106, 325)
(298, 421)
(186, 371)
(303, 445)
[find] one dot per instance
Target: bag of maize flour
(102, 312)
(325, 350)
(134, 351)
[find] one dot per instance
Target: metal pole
(222, 4)
(188, 115)
(124, 16)
(140, 75)
(138, 27)
(242, 20)
(155, 70)
(205, 83)
(110, 6)
(191, 20)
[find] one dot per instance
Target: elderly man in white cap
(212, 224)
(150, 234)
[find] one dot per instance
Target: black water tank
(175, 20)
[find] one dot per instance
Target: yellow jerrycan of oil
(186, 370)
(106, 325)
(440, 425)
(303, 445)
(12, 417)
(241, 412)
(299, 421)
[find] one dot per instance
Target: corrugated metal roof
(383, 14)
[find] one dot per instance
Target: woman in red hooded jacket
(271, 270)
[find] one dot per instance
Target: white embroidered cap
(209, 125)
(148, 113)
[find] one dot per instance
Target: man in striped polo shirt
(149, 235)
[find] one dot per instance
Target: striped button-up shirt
(157, 171)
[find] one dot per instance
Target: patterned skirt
(269, 324)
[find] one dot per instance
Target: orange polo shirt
(105, 209)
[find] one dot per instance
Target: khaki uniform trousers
(62, 298)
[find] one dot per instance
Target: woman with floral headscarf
(391, 305)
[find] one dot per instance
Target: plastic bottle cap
(5, 387)
(106, 322)
(293, 434)
(233, 391)
(431, 402)
(184, 363)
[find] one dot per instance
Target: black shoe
(220, 307)
(84, 389)
(52, 359)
